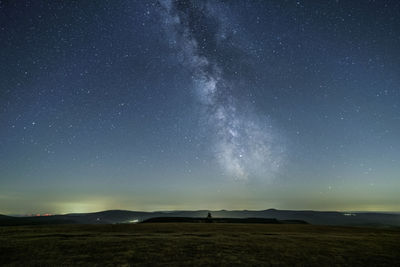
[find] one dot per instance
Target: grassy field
(198, 244)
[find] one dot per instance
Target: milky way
(243, 145)
(199, 104)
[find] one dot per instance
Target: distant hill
(14, 221)
(125, 216)
(220, 220)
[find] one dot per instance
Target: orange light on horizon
(45, 214)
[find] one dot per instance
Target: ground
(198, 244)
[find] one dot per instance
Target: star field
(152, 105)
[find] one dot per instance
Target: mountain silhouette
(126, 216)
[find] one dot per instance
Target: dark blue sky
(154, 105)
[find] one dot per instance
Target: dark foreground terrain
(198, 244)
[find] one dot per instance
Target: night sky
(167, 105)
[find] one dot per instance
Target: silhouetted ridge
(286, 216)
(221, 220)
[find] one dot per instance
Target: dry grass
(198, 244)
